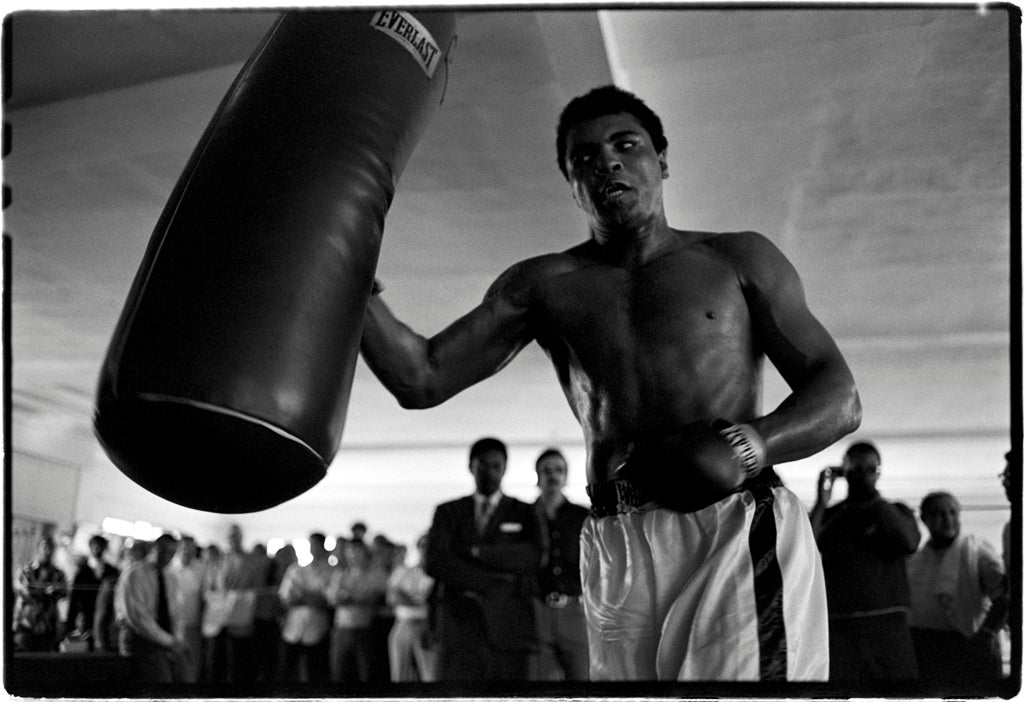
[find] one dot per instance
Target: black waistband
(615, 496)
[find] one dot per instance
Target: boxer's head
(607, 100)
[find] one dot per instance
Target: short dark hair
(607, 100)
(488, 443)
(548, 453)
(862, 447)
(166, 537)
(98, 539)
(932, 497)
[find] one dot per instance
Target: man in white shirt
(142, 610)
(229, 619)
(411, 657)
(307, 617)
(953, 579)
(185, 582)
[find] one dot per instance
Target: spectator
(865, 542)
(85, 589)
(359, 533)
(382, 558)
(307, 618)
(267, 620)
(142, 605)
(952, 581)
(185, 576)
(354, 591)
(229, 617)
(484, 551)
(39, 587)
(411, 657)
(561, 625)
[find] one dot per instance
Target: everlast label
(407, 31)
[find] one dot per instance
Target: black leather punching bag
(226, 384)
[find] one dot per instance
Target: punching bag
(226, 383)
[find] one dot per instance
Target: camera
(836, 471)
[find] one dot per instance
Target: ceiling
(872, 146)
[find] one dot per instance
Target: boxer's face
(614, 170)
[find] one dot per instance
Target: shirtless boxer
(696, 563)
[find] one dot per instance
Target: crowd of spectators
(903, 604)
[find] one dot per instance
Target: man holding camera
(865, 542)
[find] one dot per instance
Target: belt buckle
(556, 600)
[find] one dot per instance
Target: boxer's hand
(686, 471)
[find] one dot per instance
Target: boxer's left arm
(422, 372)
(823, 405)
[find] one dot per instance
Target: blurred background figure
(384, 553)
(142, 604)
(561, 625)
(82, 601)
(953, 579)
(412, 656)
(307, 617)
(267, 619)
(185, 575)
(865, 542)
(229, 616)
(355, 591)
(38, 588)
(484, 551)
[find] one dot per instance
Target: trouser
(228, 658)
(410, 658)
(467, 652)
(734, 591)
(948, 661)
(351, 654)
(562, 640)
(192, 663)
(154, 662)
(306, 662)
(876, 647)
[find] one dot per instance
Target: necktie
(483, 514)
(163, 614)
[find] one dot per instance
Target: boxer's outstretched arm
(824, 405)
(422, 372)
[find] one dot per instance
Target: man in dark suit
(484, 551)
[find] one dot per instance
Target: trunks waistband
(618, 496)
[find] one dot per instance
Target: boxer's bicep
(785, 328)
(422, 372)
(823, 405)
(480, 343)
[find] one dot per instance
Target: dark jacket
(494, 574)
(864, 549)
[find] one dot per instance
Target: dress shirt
(356, 592)
(185, 593)
(408, 589)
(485, 506)
(135, 602)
